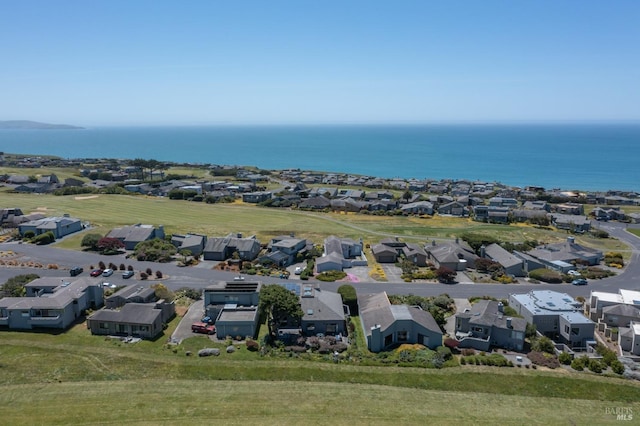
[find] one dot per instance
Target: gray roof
(322, 306)
(132, 233)
(131, 313)
(502, 256)
(133, 290)
(375, 309)
(486, 312)
(622, 310)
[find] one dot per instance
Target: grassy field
(76, 378)
(107, 211)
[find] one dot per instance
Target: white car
(298, 270)
(573, 272)
(107, 272)
(108, 285)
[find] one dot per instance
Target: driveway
(194, 314)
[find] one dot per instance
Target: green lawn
(74, 377)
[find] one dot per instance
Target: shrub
(143, 276)
(101, 265)
(122, 267)
(331, 276)
(158, 274)
(565, 358)
(542, 344)
(595, 365)
(349, 297)
(617, 367)
(546, 275)
(28, 235)
(149, 271)
(252, 345)
(129, 268)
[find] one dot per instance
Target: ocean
(568, 156)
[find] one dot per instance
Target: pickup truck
(204, 328)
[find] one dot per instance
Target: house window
(402, 336)
(566, 329)
(331, 328)
(103, 325)
(24, 314)
(575, 331)
(122, 328)
(478, 329)
(311, 326)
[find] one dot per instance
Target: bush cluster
(546, 275)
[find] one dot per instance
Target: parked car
(579, 281)
(108, 285)
(574, 273)
(96, 272)
(298, 270)
(127, 274)
(76, 270)
(107, 272)
(207, 320)
(238, 278)
(204, 328)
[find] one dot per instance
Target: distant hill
(26, 124)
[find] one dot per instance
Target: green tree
(542, 344)
(162, 292)
(91, 241)
(156, 250)
(279, 305)
(407, 195)
(14, 287)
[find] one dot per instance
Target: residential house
(599, 300)
(456, 256)
(385, 325)
(415, 253)
(233, 305)
(493, 214)
(629, 338)
(130, 294)
(512, 264)
(256, 197)
(573, 223)
(563, 255)
(284, 249)
(383, 253)
(132, 235)
(555, 315)
(324, 312)
(454, 208)
(569, 208)
(59, 226)
(339, 254)
(419, 208)
(143, 320)
(222, 248)
(50, 303)
(485, 325)
(347, 205)
(319, 202)
(191, 242)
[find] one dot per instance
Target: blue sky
(248, 62)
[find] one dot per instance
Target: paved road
(202, 276)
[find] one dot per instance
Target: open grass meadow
(107, 211)
(76, 378)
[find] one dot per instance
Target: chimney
(571, 240)
(500, 307)
(433, 243)
(509, 322)
(483, 251)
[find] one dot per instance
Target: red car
(96, 272)
(204, 328)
